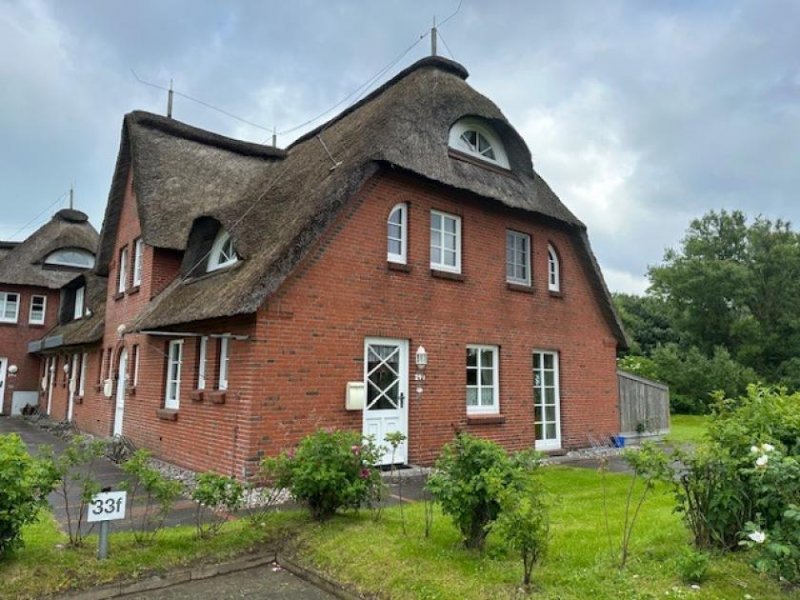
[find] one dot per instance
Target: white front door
(3, 368)
(546, 400)
(119, 409)
(386, 394)
(73, 384)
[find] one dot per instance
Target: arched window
(553, 270)
(71, 257)
(475, 138)
(397, 234)
(222, 252)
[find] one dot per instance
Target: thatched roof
(24, 263)
(288, 202)
(6, 247)
(86, 330)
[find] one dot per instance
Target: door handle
(402, 398)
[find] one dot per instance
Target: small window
(79, 308)
(9, 307)
(482, 379)
(82, 379)
(138, 251)
(222, 252)
(122, 274)
(172, 398)
(476, 138)
(445, 242)
(397, 234)
(38, 309)
(135, 352)
(518, 257)
(202, 354)
(71, 257)
(224, 359)
(553, 270)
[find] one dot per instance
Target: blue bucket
(618, 441)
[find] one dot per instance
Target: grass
(687, 428)
(377, 558)
(45, 565)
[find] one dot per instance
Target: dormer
(76, 258)
(222, 252)
(477, 139)
(210, 248)
(73, 301)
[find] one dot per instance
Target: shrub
(24, 485)
(158, 496)
(470, 479)
(329, 471)
(778, 550)
(217, 498)
(692, 565)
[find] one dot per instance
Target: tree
(647, 320)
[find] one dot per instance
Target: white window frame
(526, 238)
(138, 253)
(174, 358)
(553, 269)
(224, 360)
(201, 363)
(215, 260)
(402, 257)
(4, 305)
(82, 378)
(136, 350)
(480, 409)
(437, 241)
(471, 124)
(122, 272)
(79, 307)
(555, 443)
(55, 258)
(38, 321)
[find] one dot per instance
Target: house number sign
(107, 506)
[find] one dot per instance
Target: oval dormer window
(71, 257)
(222, 252)
(475, 138)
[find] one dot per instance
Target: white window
(138, 251)
(78, 308)
(9, 307)
(547, 421)
(172, 398)
(122, 273)
(135, 364)
(201, 363)
(222, 252)
(397, 234)
(224, 358)
(553, 270)
(483, 388)
(37, 313)
(71, 257)
(82, 380)
(476, 138)
(518, 257)
(445, 242)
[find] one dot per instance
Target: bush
(159, 496)
(692, 566)
(24, 485)
(217, 498)
(329, 471)
(470, 480)
(778, 550)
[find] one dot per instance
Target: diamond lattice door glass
(386, 383)
(546, 400)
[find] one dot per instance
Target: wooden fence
(643, 406)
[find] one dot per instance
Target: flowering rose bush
(329, 471)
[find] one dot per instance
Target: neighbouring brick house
(402, 267)
(32, 273)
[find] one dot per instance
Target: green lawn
(687, 428)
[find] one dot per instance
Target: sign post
(104, 508)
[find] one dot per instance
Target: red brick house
(31, 276)
(402, 267)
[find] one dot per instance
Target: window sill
(36, 325)
(197, 395)
(399, 267)
(486, 419)
(134, 290)
(447, 275)
(8, 322)
(130, 390)
(119, 295)
(167, 414)
(98, 387)
(217, 396)
(519, 287)
(77, 400)
(555, 294)
(467, 158)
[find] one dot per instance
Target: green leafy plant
(156, 495)
(329, 471)
(469, 479)
(777, 550)
(692, 565)
(24, 485)
(217, 498)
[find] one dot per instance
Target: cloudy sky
(641, 115)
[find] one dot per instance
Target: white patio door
(547, 403)
(73, 386)
(119, 409)
(386, 393)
